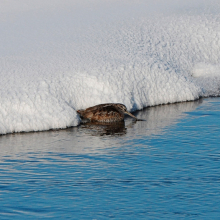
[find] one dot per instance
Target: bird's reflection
(102, 128)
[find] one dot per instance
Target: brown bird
(109, 112)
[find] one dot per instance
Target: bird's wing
(106, 113)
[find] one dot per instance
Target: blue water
(167, 167)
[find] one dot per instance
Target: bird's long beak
(131, 115)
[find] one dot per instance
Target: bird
(109, 112)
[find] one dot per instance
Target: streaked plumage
(110, 112)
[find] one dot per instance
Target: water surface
(166, 167)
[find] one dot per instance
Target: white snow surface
(59, 56)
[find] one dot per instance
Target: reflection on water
(166, 167)
(159, 117)
(103, 128)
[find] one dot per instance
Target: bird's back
(103, 113)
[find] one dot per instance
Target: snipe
(109, 112)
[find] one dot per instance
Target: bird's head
(121, 107)
(124, 110)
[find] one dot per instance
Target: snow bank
(57, 57)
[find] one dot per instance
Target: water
(166, 167)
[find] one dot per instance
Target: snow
(59, 56)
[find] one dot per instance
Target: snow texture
(59, 56)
